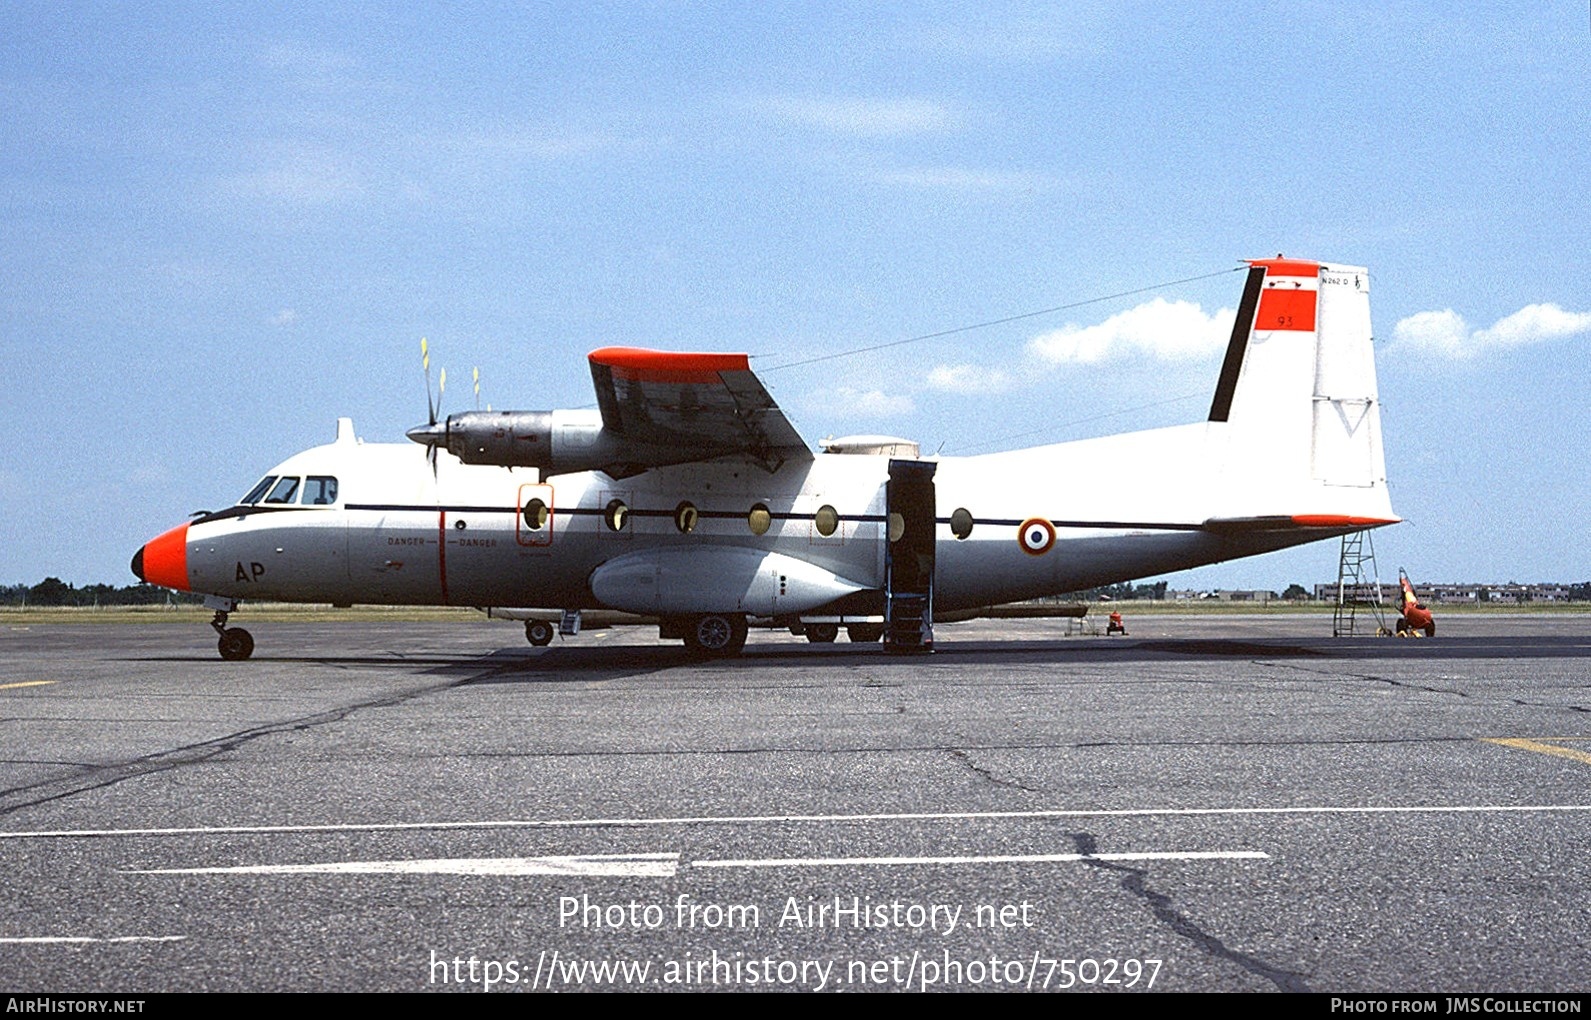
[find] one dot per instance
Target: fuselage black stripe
(735, 515)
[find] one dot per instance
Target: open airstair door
(909, 557)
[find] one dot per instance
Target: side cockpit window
(320, 490)
(258, 492)
(283, 491)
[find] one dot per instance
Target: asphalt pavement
(1211, 803)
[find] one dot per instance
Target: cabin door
(909, 557)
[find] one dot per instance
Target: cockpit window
(258, 492)
(320, 490)
(284, 491)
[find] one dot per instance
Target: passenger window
(320, 490)
(258, 492)
(961, 523)
(759, 520)
(284, 491)
(617, 515)
(827, 520)
(536, 513)
(685, 517)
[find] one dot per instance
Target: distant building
(1452, 594)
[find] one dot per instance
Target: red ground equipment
(1416, 618)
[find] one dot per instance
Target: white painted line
(917, 816)
(79, 939)
(825, 862)
(633, 865)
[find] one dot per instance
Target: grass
(265, 612)
(282, 612)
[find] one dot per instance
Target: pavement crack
(1425, 688)
(961, 756)
(99, 776)
(1136, 882)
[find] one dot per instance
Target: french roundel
(1036, 536)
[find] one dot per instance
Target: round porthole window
(759, 520)
(826, 520)
(961, 523)
(536, 515)
(897, 527)
(685, 517)
(617, 515)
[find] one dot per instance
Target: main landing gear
(821, 633)
(236, 644)
(716, 635)
(539, 632)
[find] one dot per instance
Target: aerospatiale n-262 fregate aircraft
(688, 496)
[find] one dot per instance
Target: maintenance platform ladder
(1358, 588)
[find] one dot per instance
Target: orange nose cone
(164, 560)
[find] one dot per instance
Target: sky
(225, 225)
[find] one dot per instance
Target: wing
(710, 405)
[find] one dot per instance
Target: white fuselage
(398, 533)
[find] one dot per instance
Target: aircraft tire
(821, 633)
(716, 635)
(236, 644)
(538, 632)
(864, 633)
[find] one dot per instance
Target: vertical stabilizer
(1297, 391)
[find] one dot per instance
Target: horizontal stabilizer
(1296, 522)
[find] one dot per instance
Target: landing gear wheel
(715, 635)
(821, 633)
(236, 644)
(538, 632)
(864, 633)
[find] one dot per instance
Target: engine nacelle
(555, 442)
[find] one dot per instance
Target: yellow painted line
(28, 683)
(1543, 748)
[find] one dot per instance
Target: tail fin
(1298, 386)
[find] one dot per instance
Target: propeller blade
(425, 360)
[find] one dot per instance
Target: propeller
(478, 392)
(431, 435)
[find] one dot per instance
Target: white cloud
(852, 402)
(1168, 330)
(285, 317)
(855, 116)
(991, 33)
(520, 145)
(301, 175)
(1446, 332)
(307, 63)
(952, 178)
(970, 379)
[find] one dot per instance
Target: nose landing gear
(236, 644)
